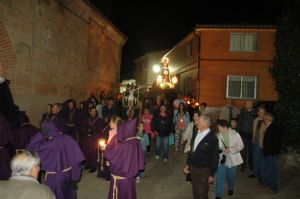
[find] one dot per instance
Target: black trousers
(247, 152)
(200, 184)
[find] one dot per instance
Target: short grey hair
(206, 119)
(24, 162)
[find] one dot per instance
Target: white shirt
(200, 135)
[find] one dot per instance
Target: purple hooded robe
(6, 137)
(90, 134)
(24, 133)
(74, 120)
(61, 159)
(125, 159)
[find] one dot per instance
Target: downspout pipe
(198, 61)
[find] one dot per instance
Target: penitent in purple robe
(90, 135)
(125, 159)
(6, 137)
(73, 119)
(23, 135)
(61, 159)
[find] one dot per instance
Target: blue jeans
(257, 157)
(269, 172)
(162, 143)
(223, 173)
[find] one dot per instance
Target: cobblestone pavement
(166, 181)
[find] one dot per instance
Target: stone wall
(52, 50)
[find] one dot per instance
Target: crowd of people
(248, 139)
(69, 139)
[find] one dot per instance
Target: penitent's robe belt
(53, 172)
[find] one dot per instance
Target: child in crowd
(147, 119)
(144, 139)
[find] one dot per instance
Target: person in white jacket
(230, 144)
(188, 132)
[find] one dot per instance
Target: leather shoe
(251, 176)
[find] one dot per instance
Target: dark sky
(155, 25)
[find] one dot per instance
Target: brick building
(220, 62)
(52, 50)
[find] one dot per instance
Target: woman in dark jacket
(162, 126)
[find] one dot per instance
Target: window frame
(243, 33)
(241, 91)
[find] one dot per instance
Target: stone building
(52, 50)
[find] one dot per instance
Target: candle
(102, 144)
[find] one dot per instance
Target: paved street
(166, 181)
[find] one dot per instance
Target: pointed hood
(126, 130)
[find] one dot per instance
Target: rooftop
(255, 26)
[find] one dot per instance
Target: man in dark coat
(203, 159)
(271, 150)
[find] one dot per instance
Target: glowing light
(156, 68)
(165, 72)
(188, 102)
(163, 85)
(159, 79)
(197, 104)
(102, 144)
(164, 80)
(174, 80)
(165, 60)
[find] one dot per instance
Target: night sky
(156, 25)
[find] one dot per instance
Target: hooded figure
(24, 133)
(7, 120)
(6, 137)
(125, 159)
(73, 118)
(61, 160)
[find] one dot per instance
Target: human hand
(186, 169)
(226, 151)
(211, 179)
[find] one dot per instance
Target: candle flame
(102, 143)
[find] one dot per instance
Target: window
(189, 49)
(243, 42)
(241, 87)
